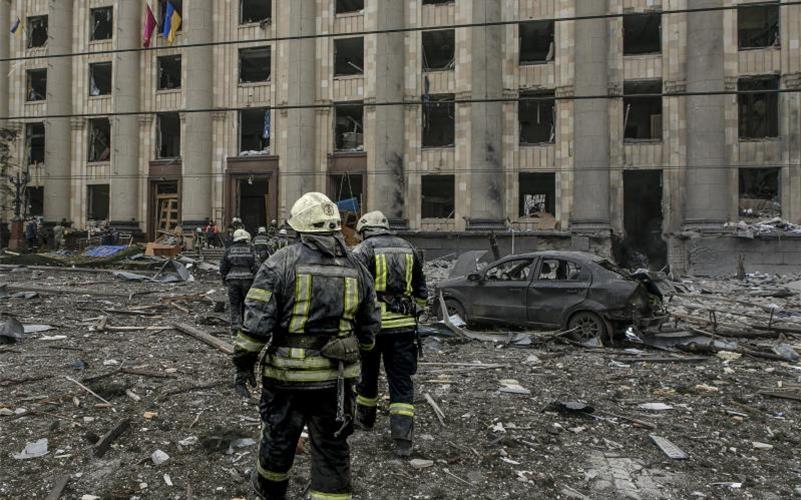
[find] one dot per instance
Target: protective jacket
(302, 297)
(399, 280)
(239, 262)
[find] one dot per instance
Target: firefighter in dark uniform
(314, 304)
(261, 244)
(238, 267)
(401, 289)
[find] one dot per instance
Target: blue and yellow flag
(172, 22)
(15, 26)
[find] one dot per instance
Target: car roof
(557, 254)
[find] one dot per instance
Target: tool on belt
(342, 350)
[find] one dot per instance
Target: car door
(500, 294)
(558, 284)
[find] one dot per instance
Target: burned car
(550, 290)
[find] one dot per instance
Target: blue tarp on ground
(103, 250)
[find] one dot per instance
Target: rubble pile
(120, 388)
(773, 226)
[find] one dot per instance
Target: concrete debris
(6, 412)
(11, 330)
(35, 449)
(512, 386)
(761, 446)
(671, 450)
(158, 457)
(728, 355)
(654, 406)
(419, 463)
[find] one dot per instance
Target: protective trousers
(237, 291)
(400, 362)
(284, 414)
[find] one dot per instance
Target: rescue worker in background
(238, 267)
(279, 241)
(261, 244)
(401, 288)
(314, 303)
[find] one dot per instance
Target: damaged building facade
(632, 172)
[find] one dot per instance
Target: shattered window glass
(559, 270)
(516, 270)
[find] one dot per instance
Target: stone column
(297, 140)
(384, 125)
(485, 174)
(124, 191)
(196, 151)
(58, 132)
(5, 20)
(591, 122)
(706, 203)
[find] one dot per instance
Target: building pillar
(591, 122)
(297, 139)
(706, 203)
(58, 131)
(485, 134)
(5, 20)
(384, 125)
(124, 190)
(196, 151)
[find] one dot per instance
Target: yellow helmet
(315, 213)
(241, 235)
(373, 219)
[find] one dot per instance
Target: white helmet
(315, 213)
(241, 235)
(282, 232)
(262, 230)
(372, 220)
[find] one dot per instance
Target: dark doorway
(252, 197)
(642, 220)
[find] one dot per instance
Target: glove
(242, 380)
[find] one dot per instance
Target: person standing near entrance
(261, 244)
(238, 267)
(314, 304)
(401, 288)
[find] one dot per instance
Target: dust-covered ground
(493, 444)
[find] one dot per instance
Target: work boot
(403, 448)
(365, 418)
(268, 490)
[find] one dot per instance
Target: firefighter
(314, 304)
(401, 288)
(238, 267)
(261, 244)
(279, 241)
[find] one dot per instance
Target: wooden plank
(58, 488)
(106, 441)
(204, 337)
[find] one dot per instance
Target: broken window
(97, 201)
(254, 65)
(349, 127)
(537, 195)
(559, 270)
(537, 117)
(168, 135)
(536, 42)
(759, 111)
(254, 131)
(100, 79)
(437, 2)
(34, 201)
(169, 72)
(254, 11)
(37, 31)
(36, 84)
(102, 20)
(349, 56)
(439, 121)
(178, 5)
(99, 139)
(346, 186)
(642, 34)
(760, 193)
(513, 270)
(346, 6)
(758, 26)
(642, 115)
(35, 142)
(439, 49)
(438, 196)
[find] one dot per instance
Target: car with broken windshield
(574, 291)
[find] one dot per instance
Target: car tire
(455, 307)
(589, 324)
